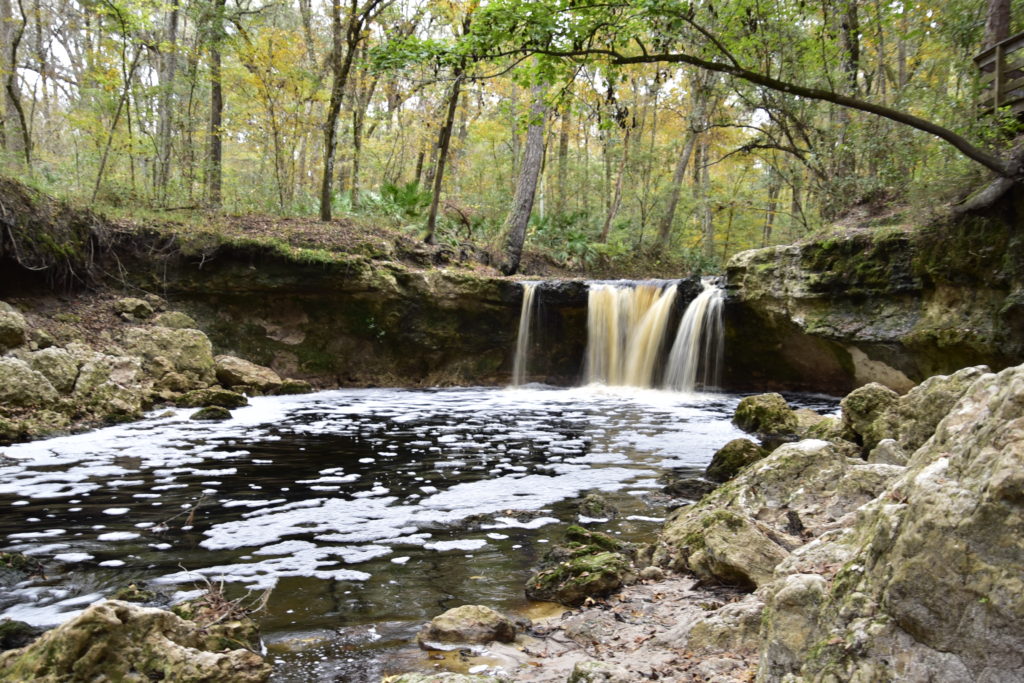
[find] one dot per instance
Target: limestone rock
(13, 328)
(164, 350)
(888, 452)
(588, 564)
(234, 372)
(23, 387)
(591, 671)
(115, 640)
(15, 634)
(108, 387)
(733, 627)
(57, 365)
(690, 488)
(201, 398)
(733, 457)
(765, 414)
(468, 624)
(132, 308)
(862, 408)
(291, 387)
(211, 414)
(175, 320)
(931, 569)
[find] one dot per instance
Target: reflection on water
(366, 511)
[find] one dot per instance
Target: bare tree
(526, 187)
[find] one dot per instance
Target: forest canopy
(680, 131)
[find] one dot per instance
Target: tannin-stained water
(367, 511)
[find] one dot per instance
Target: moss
(132, 593)
(211, 414)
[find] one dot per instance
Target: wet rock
(132, 593)
(164, 350)
(862, 408)
(13, 328)
(691, 488)
(116, 640)
(765, 414)
(293, 386)
(234, 372)
(175, 320)
(202, 398)
(23, 387)
(468, 625)
(15, 634)
(733, 457)
(592, 671)
(16, 567)
(571, 581)
(211, 414)
(597, 506)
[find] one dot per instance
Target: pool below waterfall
(366, 511)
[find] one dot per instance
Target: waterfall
(695, 360)
(526, 316)
(625, 331)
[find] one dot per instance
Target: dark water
(366, 511)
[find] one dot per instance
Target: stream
(367, 511)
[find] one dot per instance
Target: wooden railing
(1002, 75)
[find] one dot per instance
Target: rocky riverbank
(887, 547)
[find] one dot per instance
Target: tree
(526, 187)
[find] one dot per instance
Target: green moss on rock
(733, 457)
(765, 414)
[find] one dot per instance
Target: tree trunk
(443, 142)
(774, 188)
(562, 199)
(665, 230)
(169, 66)
(17, 137)
(526, 187)
(613, 208)
(997, 22)
(215, 151)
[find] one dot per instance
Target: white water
(695, 360)
(526, 315)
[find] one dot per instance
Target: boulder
(202, 398)
(23, 387)
(15, 634)
(13, 328)
(733, 627)
(163, 350)
(116, 640)
(587, 564)
(592, 671)
(211, 414)
(235, 372)
(596, 506)
(690, 488)
(733, 457)
(175, 320)
(888, 452)
(765, 414)
(861, 410)
(466, 625)
(931, 569)
(56, 365)
(108, 387)
(291, 387)
(131, 308)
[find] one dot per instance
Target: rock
(596, 506)
(293, 386)
(133, 309)
(233, 372)
(16, 567)
(13, 328)
(888, 452)
(652, 573)
(765, 414)
(201, 398)
(211, 414)
(930, 569)
(739, 533)
(862, 408)
(733, 457)
(443, 677)
(572, 581)
(41, 338)
(733, 627)
(175, 320)
(469, 624)
(108, 387)
(691, 488)
(23, 387)
(164, 350)
(56, 365)
(591, 671)
(15, 634)
(132, 593)
(115, 640)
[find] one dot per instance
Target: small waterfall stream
(695, 361)
(526, 315)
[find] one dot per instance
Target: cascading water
(626, 328)
(526, 315)
(695, 361)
